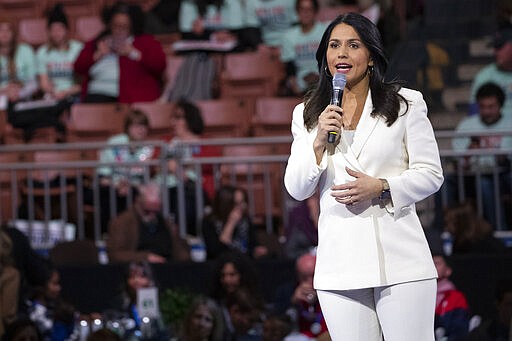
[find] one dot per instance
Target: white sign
(147, 302)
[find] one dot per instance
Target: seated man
(142, 234)
(299, 299)
(490, 99)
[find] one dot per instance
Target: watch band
(386, 193)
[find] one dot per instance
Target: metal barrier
(70, 188)
(36, 186)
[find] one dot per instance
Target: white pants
(400, 312)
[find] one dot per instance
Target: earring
(370, 70)
(327, 72)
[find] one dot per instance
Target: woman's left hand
(363, 188)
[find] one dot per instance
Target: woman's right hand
(102, 49)
(328, 120)
(236, 214)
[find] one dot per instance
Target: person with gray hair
(141, 233)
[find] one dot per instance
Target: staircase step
(446, 120)
(467, 72)
(452, 97)
(481, 47)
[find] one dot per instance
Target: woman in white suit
(374, 273)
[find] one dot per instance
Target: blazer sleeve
(302, 172)
(424, 175)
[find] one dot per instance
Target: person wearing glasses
(141, 233)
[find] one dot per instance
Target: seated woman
(55, 59)
(188, 126)
(17, 66)
(123, 178)
(55, 73)
(203, 321)
(228, 227)
(138, 276)
(17, 80)
(471, 233)
(53, 316)
(122, 64)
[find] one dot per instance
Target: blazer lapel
(365, 127)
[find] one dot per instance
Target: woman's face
(306, 12)
(178, 122)
(229, 278)
(53, 286)
(6, 34)
(239, 200)
(202, 322)
(57, 33)
(137, 131)
(120, 26)
(138, 280)
(347, 54)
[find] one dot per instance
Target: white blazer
(372, 243)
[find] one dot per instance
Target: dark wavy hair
(137, 19)
(385, 96)
(193, 116)
(244, 265)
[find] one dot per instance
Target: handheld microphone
(338, 84)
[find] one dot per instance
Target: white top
(372, 243)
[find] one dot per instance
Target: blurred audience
(219, 21)
(276, 328)
(203, 321)
(272, 17)
(122, 64)
(54, 69)
(138, 276)
(30, 265)
(298, 299)
(299, 46)
(233, 272)
(22, 329)
(498, 327)
(54, 317)
(301, 232)
(499, 71)
(245, 316)
(187, 127)
(123, 178)
(490, 99)
(452, 311)
(17, 66)
(228, 227)
(141, 233)
(104, 334)
(55, 59)
(471, 233)
(161, 16)
(9, 283)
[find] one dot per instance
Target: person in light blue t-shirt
(17, 66)
(55, 59)
(299, 48)
(273, 17)
(490, 98)
(499, 72)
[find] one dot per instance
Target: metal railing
(29, 183)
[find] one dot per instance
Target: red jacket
(139, 81)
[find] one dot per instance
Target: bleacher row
(225, 117)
